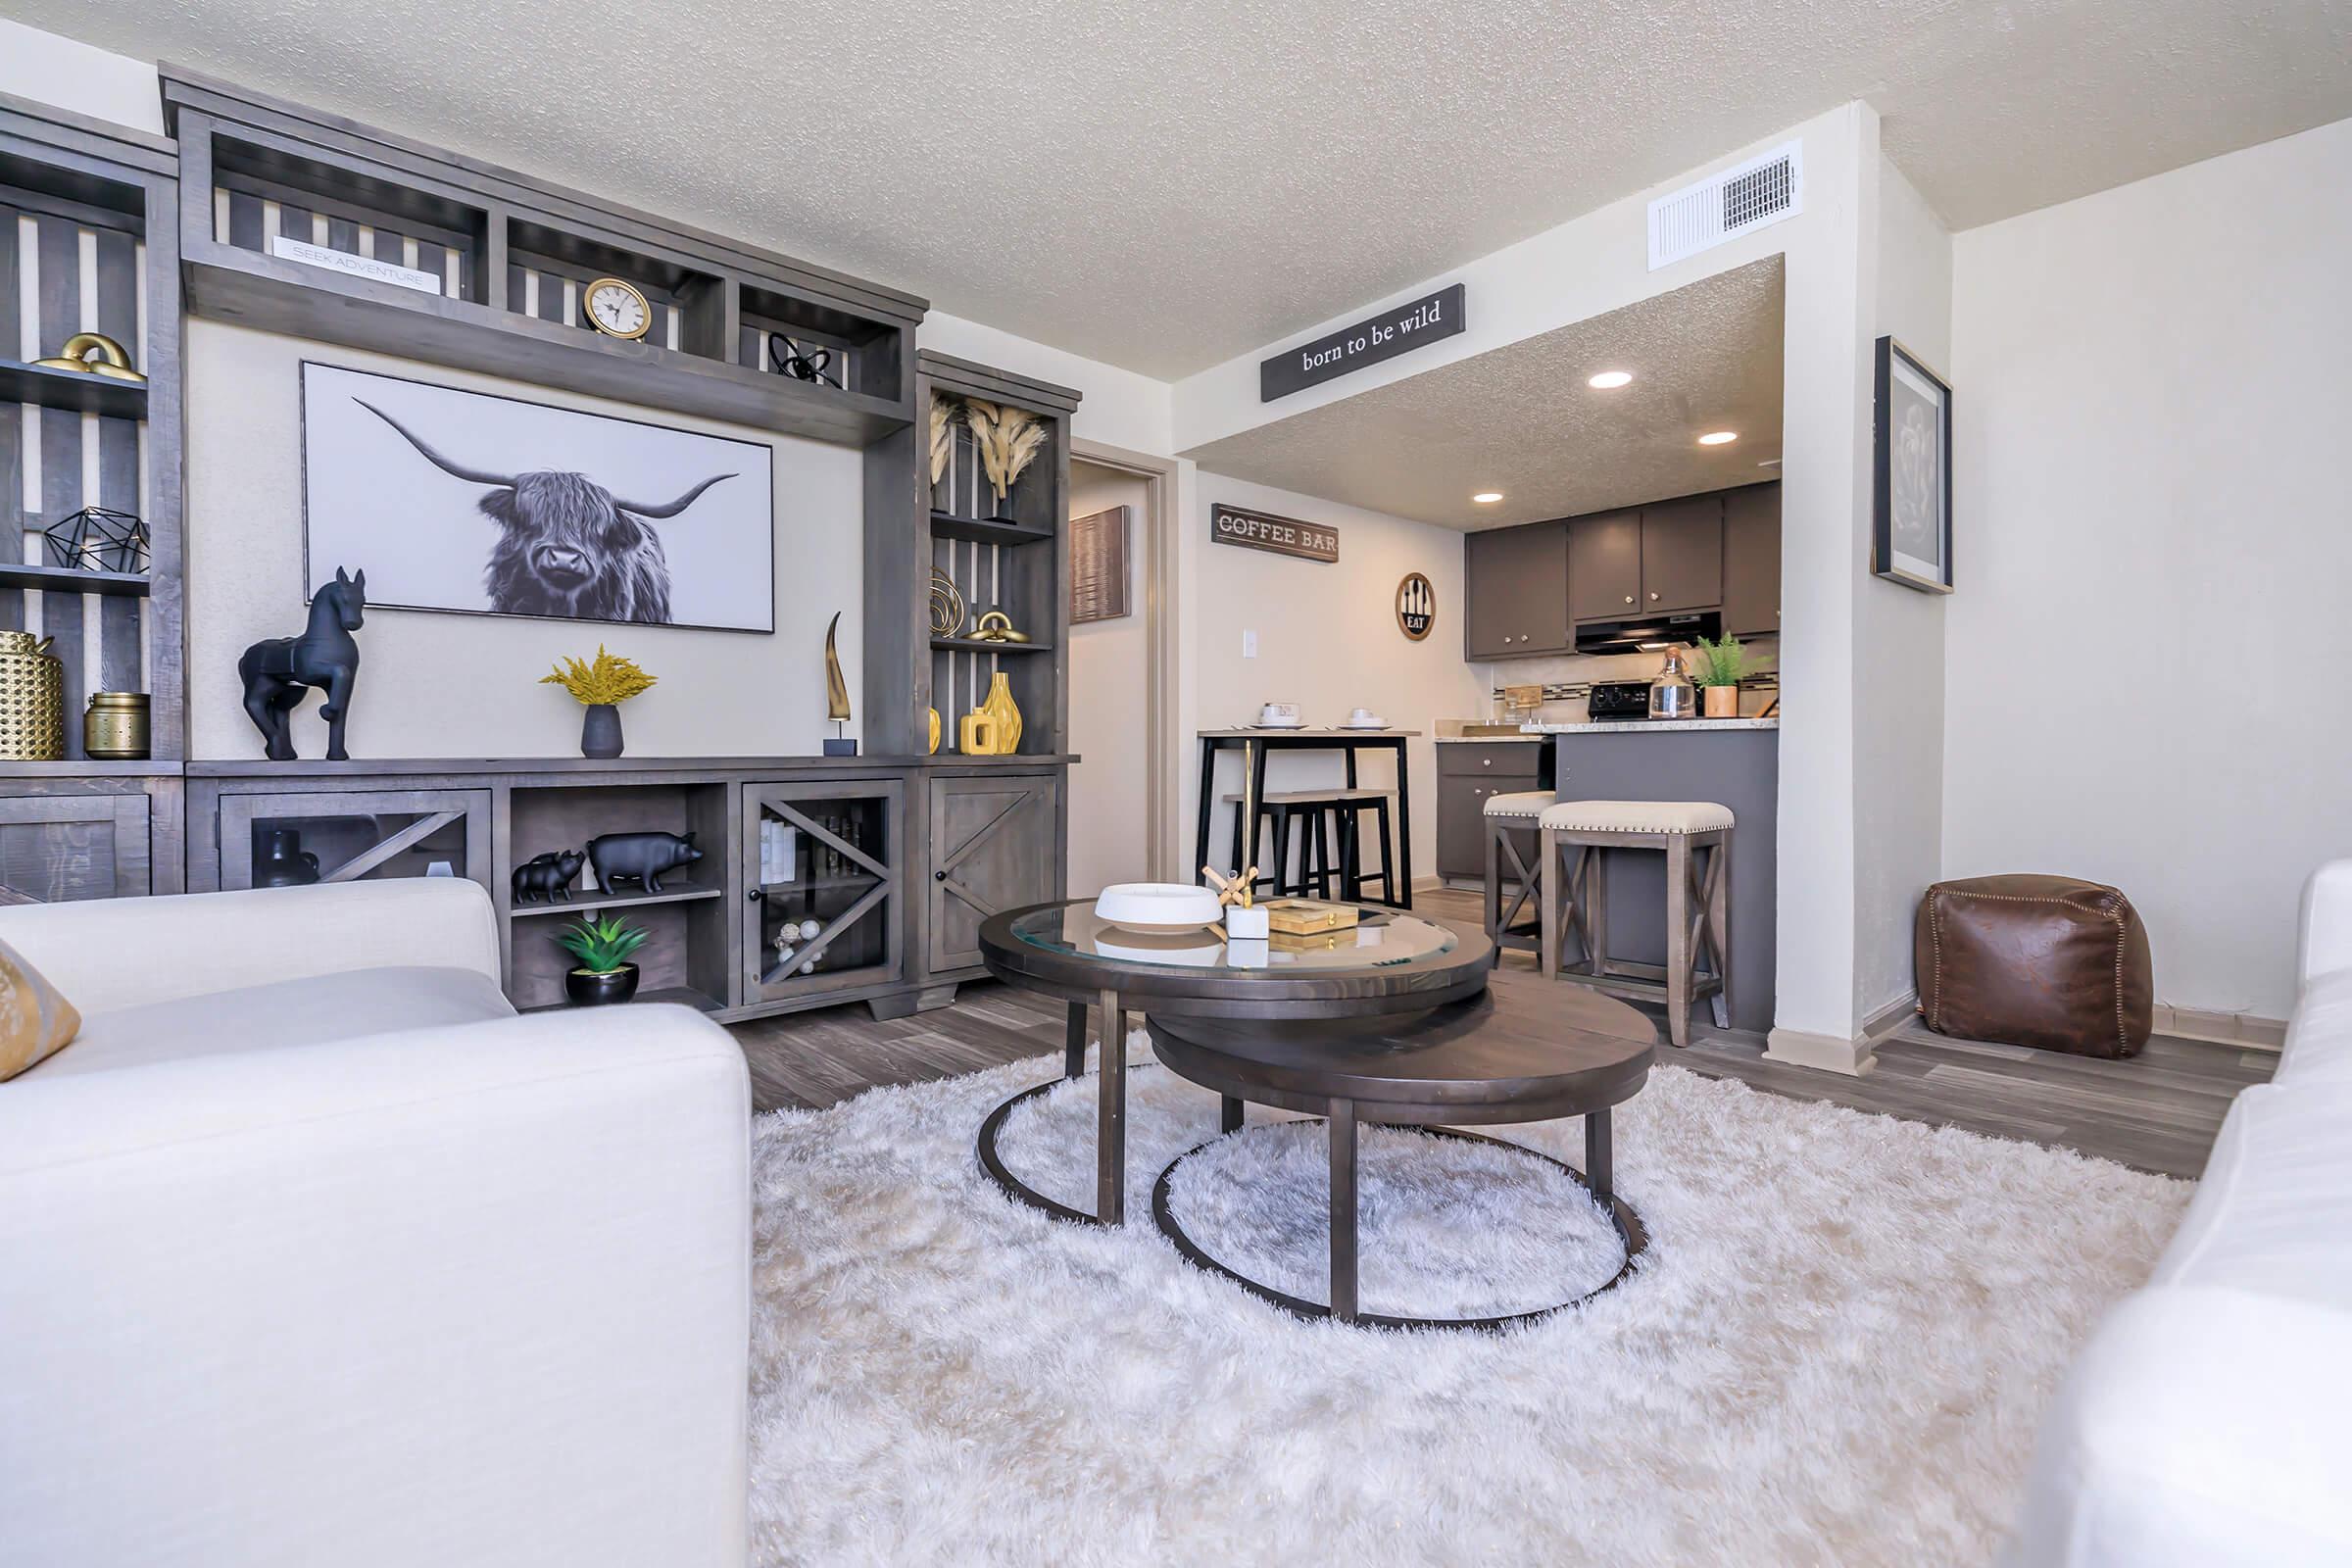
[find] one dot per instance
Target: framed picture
(1912, 486)
(1099, 566)
(485, 505)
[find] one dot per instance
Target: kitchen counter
(1635, 726)
(1520, 737)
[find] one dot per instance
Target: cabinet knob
(939, 876)
(753, 896)
(1486, 762)
(1629, 598)
(1654, 598)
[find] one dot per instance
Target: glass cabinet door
(280, 840)
(822, 864)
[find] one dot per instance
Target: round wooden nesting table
(1496, 1058)
(1389, 963)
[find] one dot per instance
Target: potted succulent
(599, 686)
(603, 946)
(1717, 668)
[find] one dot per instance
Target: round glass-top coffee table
(1388, 964)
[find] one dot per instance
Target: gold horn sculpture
(837, 695)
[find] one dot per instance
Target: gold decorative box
(1302, 917)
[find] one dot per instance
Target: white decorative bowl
(1157, 907)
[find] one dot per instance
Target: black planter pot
(600, 731)
(587, 989)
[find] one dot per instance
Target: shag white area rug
(1836, 1352)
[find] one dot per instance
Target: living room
(961, 544)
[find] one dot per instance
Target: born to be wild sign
(1398, 329)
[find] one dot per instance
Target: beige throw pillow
(35, 1020)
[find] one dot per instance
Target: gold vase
(934, 712)
(116, 727)
(1002, 707)
(32, 700)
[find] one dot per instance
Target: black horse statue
(280, 672)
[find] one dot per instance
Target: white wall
(1327, 639)
(67, 74)
(444, 685)
(1899, 633)
(2155, 554)
(1120, 407)
(1110, 664)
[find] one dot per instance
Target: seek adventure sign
(1398, 329)
(1262, 530)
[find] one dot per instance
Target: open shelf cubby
(510, 255)
(685, 921)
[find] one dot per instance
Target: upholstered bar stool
(1697, 838)
(1513, 821)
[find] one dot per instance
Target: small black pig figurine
(547, 877)
(640, 857)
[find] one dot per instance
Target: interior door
(1682, 554)
(822, 866)
(994, 845)
(1604, 565)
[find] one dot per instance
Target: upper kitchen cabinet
(1751, 561)
(1515, 592)
(1604, 565)
(1682, 556)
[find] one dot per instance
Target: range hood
(1650, 633)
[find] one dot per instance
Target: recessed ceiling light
(1717, 439)
(1487, 497)
(1610, 379)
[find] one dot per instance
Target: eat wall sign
(1399, 329)
(1262, 530)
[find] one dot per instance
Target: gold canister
(32, 700)
(116, 728)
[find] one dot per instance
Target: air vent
(1763, 190)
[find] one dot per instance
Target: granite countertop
(1487, 740)
(1637, 726)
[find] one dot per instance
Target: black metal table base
(1622, 1217)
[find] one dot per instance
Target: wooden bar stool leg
(1719, 923)
(1319, 823)
(1549, 849)
(1390, 893)
(1597, 909)
(1678, 955)
(1493, 893)
(1282, 849)
(1352, 854)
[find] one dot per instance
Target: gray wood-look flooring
(2158, 1111)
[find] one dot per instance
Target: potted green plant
(603, 973)
(599, 686)
(1717, 667)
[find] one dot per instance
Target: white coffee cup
(1278, 714)
(1362, 718)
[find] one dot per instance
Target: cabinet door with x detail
(996, 845)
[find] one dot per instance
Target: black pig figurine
(640, 857)
(547, 877)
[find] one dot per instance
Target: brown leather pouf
(2035, 961)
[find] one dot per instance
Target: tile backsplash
(1569, 669)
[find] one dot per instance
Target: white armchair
(313, 1251)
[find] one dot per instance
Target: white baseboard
(1838, 1054)
(2222, 1028)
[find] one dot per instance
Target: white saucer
(1262, 725)
(1377, 724)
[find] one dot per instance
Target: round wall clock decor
(615, 308)
(1416, 606)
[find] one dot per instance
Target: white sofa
(312, 1251)
(2209, 1419)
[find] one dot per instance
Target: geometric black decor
(98, 539)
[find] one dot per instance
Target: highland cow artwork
(464, 501)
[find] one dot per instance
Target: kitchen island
(1735, 761)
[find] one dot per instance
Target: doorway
(1121, 668)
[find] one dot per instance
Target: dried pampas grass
(945, 411)
(1009, 439)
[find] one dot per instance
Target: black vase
(600, 731)
(283, 862)
(587, 989)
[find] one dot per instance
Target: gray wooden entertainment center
(896, 856)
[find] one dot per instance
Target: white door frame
(1158, 553)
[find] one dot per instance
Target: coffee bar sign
(1398, 329)
(1262, 530)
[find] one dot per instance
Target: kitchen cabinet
(1515, 590)
(1604, 565)
(1467, 775)
(1751, 561)
(1682, 556)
